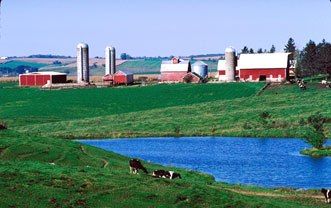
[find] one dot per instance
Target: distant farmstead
(270, 67)
(41, 78)
(175, 70)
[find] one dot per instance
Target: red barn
(174, 70)
(272, 67)
(123, 77)
(41, 78)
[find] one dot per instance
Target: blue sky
(159, 27)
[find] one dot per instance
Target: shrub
(177, 130)
(3, 126)
(315, 138)
(265, 115)
(317, 121)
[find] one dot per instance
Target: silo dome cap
(230, 50)
(200, 63)
(111, 48)
(82, 45)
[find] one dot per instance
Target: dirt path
(270, 194)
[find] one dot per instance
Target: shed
(192, 77)
(123, 77)
(273, 67)
(41, 78)
(174, 70)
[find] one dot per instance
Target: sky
(159, 27)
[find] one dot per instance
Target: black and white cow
(166, 174)
(327, 195)
(135, 166)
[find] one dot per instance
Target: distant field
(142, 66)
(154, 66)
(14, 64)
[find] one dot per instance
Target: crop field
(38, 162)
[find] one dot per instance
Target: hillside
(38, 164)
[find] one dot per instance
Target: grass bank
(52, 172)
(324, 152)
(40, 168)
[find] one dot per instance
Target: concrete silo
(110, 60)
(200, 68)
(83, 69)
(230, 64)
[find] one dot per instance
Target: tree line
(314, 59)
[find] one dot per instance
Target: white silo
(83, 69)
(110, 60)
(200, 68)
(230, 64)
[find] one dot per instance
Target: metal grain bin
(200, 68)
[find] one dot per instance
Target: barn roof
(124, 72)
(263, 61)
(45, 73)
(169, 66)
(221, 65)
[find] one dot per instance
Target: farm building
(273, 67)
(221, 70)
(174, 70)
(41, 78)
(193, 77)
(123, 77)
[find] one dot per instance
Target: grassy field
(14, 64)
(40, 167)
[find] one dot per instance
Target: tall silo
(110, 60)
(200, 68)
(83, 69)
(230, 64)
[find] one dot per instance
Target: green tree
(272, 49)
(309, 57)
(260, 50)
(245, 50)
(315, 135)
(323, 62)
(290, 46)
(251, 50)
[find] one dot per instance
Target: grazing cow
(135, 166)
(166, 174)
(324, 82)
(327, 195)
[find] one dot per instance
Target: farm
(37, 157)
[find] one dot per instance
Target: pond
(262, 162)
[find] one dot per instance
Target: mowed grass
(19, 107)
(225, 116)
(39, 167)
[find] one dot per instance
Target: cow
(327, 195)
(135, 166)
(166, 174)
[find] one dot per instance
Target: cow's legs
(131, 171)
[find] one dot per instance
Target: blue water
(261, 162)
